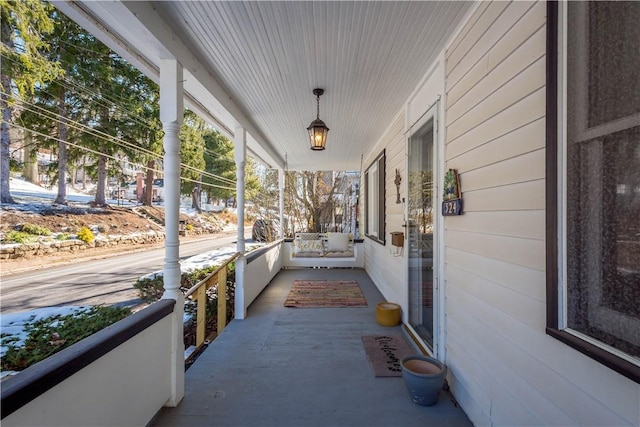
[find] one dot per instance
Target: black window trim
(381, 238)
(618, 364)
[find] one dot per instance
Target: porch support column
(281, 191)
(240, 145)
(171, 114)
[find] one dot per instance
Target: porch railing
(198, 293)
(82, 384)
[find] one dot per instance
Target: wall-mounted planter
(424, 378)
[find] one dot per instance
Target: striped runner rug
(325, 293)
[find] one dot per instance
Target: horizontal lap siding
(495, 48)
(494, 120)
(505, 369)
(526, 355)
(514, 277)
(521, 113)
(382, 267)
(395, 160)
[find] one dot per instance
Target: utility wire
(102, 98)
(109, 138)
(113, 157)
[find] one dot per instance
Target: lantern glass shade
(318, 134)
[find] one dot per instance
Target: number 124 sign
(452, 199)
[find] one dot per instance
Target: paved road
(103, 281)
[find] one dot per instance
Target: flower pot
(424, 378)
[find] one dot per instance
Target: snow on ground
(29, 194)
(13, 324)
(30, 197)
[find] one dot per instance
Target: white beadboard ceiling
(255, 64)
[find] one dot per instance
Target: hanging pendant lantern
(317, 129)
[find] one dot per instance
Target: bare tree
(310, 199)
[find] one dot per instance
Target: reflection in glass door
(420, 229)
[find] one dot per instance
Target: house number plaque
(452, 199)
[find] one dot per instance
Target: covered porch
(249, 69)
(301, 367)
(425, 100)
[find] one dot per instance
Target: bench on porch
(323, 250)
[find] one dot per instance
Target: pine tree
(24, 65)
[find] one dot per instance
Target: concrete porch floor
(300, 367)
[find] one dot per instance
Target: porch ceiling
(255, 64)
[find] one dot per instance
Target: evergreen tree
(219, 160)
(23, 25)
(192, 154)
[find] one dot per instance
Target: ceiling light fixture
(317, 129)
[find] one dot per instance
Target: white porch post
(240, 145)
(281, 191)
(171, 114)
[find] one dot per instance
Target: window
(374, 178)
(593, 181)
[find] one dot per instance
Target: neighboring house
(135, 190)
(531, 295)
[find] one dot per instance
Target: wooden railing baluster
(219, 277)
(222, 299)
(201, 317)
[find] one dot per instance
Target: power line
(112, 157)
(102, 98)
(109, 138)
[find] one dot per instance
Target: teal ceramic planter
(424, 378)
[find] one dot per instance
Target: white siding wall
(387, 271)
(385, 264)
(504, 369)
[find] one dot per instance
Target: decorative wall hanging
(397, 181)
(452, 199)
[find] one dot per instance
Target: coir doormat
(385, 353)
(325, 293)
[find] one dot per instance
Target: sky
(30, 198)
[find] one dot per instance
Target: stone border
(15, 251)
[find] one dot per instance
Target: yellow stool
(388, 314)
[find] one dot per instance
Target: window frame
(377, 209)
(555, 286)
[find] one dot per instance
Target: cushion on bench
(308, 245)
(318, 245)
(337, 242)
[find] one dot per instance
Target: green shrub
(86, 235)
(63, 236)
(19, 237)
(15, 165)
(52, 334)
(35, 229)
(151, 290)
